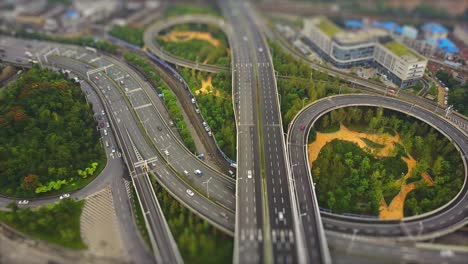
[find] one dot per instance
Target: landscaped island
(47, 135)
(372, 161)
(197, 42)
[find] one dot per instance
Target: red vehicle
(391, 92)
(97, 78)
(102, 125)
(302, 127)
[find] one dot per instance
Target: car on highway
(280, 216)
(189, 192)
(97, 78)
(223, 214)
(302, 127)
(23, 202)
(193, 100)
(204, 124)
(159, 128)
(249, 174)
(186, 173)
(197, 110)
(102, 125)
(107, 124)
(166, 152)
(207, 128)
(107, 144)
(199, 173)
(63, 196)
(447, 253)
(105, 132)
(260, 49)
(391, 92)
(209, 133)
(231, 173)
(113, 149)
(103, 113)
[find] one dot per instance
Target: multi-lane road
(265, 226)
(265, 218)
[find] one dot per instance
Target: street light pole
(207, 188)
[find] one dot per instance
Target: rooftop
(447, 46)
(353, 23)
(328, 27)
(434, 27)
(401, 50)
(359, 36)
(387, 25)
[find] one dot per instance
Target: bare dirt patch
(207, 87)
(395, 209)
(345, 134)
(183, 35)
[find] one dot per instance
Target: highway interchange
(131, 105)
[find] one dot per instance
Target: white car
(249, 174)
(280, 216)
(190, 192)
(23, 202)
(63, 196)
(166, 152)
(446, 253)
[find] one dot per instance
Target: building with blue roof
(353, 24)
(399, 30)
(447, 46)
(434, 30)
(71, 14)
(387, 25)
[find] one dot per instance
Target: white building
(343, 48)
(409, 32)
(402, 65)
(93, 11)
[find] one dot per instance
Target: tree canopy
(47, 134)
(342, 163)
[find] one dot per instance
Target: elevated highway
(433, 224)
(152, 32)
